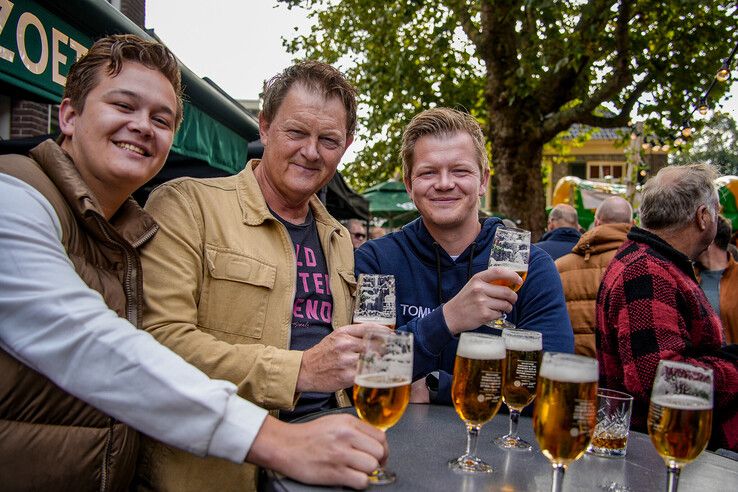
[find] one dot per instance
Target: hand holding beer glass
(510, 249)
(382, 384)
(565, 411)
(524, 348)
(375, 300)
(476, 392)
(680, 415)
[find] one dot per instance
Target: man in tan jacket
(251, 280)
(581, 270)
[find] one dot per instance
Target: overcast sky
(237, 43)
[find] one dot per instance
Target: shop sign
(37, 48)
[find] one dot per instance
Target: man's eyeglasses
(359, 235)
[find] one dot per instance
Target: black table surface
(427, 436)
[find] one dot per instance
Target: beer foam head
(569, 368)
(480, 346)
(380, 380)
(682, 402)
(522, 340)
(516, 267)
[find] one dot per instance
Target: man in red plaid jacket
(650, 306)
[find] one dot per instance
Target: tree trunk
(517, 165)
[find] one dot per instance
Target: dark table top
(427, 436)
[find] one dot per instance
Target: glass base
(469, 464)
(514, 443)
(380, 476)
(606, 452)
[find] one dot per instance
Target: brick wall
(134, 10)
(28, 119)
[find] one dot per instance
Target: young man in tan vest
(76, 371)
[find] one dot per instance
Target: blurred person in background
(376, 232)
(357, 229)
(717, 274)
(563, 231)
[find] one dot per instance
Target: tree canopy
(527, 70)
(716, 143)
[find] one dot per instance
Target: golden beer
(521, 374)
(566, 410)
(478, 372)
(520, 268)
(608, 441)
(679, 426)
(381, 399)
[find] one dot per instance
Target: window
(605, 170)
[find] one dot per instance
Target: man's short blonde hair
(441, 122)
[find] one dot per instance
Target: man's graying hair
(671, 198)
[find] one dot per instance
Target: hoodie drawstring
(436, 249)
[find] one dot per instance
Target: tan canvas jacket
(219, 287)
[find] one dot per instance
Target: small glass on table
(375, 299)
(565, 411)
(382, 384)
(510, 249)
(680, 415)
(476, 392)
(610, 436)
(523, 359)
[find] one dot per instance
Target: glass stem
(558, 477)
(672, 477)
(514, 415)
(472, 433)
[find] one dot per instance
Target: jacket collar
(663, 248)
(605, 237)
(130, 222)
(254, 207)
(562, 234)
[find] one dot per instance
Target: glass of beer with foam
(382, 384)
(680, 415)
(477, 392)
(523, 359)
(566, 409)
(375, 299)
(511, 250)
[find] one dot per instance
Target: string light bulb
(724, 73)
(703, 108)
(686, 130)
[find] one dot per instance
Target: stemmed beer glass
(523, 359)
(375, 299)
(566, 409)
(382, 384)
(476, 391)
(510, 249)
(680, 415)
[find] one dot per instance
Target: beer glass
(523, 359)
(565, 409)
(382, 384)
(680, 415)
(510, 249)
(375, 299)
(476, 392)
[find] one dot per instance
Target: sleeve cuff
(236, 432)
(433, 333)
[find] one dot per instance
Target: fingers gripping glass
(382, 384)
(511, 250)
(375, 300)
(522, 362)
(680, 415)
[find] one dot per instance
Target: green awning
(201, 137)
(39, 41)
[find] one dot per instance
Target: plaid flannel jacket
(650, 307)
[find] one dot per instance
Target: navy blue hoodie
(426, 277)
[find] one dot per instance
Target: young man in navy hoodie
(440, 260)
